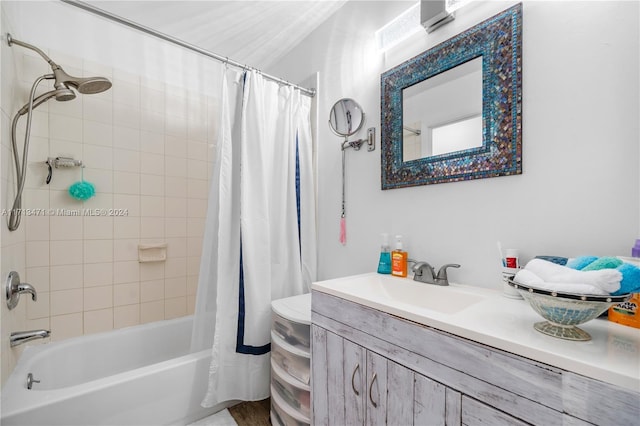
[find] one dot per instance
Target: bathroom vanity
(389, 350)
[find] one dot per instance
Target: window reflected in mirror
(443, 114)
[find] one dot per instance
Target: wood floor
(252, 413)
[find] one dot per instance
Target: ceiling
(255, 33)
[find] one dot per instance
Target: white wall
(579, 192)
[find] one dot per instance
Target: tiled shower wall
(147, 149)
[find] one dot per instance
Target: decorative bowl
(563, 311)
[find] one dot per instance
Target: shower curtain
(259, 242)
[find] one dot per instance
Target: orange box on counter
(626, 313)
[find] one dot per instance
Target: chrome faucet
(20, 337)
(424, 273)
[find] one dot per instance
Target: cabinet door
(476, 413)
(400, 395)
(319, 383)
(376, 413)
(355, 385)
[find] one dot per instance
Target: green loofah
(603, 263)
(82, 190)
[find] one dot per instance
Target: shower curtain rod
(100, 12)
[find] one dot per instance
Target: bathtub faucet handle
(14, 288)
(31, 381)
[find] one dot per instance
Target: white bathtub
(142, 375)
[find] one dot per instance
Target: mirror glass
(443, 113)
(346, 117)
(454, 112)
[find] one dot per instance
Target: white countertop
(486, 316)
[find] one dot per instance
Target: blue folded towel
(603, 263)
(630, 279)
(580, 262)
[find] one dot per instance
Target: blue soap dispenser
(384, 264)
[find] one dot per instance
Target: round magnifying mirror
(346, 117)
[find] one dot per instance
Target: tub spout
(20, 337)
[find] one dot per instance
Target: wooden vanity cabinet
(369, 367)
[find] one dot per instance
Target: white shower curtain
(259, 242)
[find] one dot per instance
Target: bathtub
(141, 375)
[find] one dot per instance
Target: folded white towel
(607, 280)
(529, 279)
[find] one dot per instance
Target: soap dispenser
(399, 259)
(384, 264)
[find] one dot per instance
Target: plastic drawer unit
(290, 361)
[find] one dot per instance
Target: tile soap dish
(152, 252)
(563, 311)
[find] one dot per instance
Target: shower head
(87, 85)
(62, 94)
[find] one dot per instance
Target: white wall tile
(126, 116)
(126, 227)
(151, 271)
(62, 148)
(151, 290)
(197, 169)
(176, 247)
(96, 109)
(152, 142)
(175, 227)
(175, 146)
(102, 180)
(98, 157)
(37, 253)
(66, 326)
(64, 127)
(152, 227)
(151, 206)
(198, 188)
(127, 93)
(39, 278)
(126, 183)
(125, 250)
(126, 316)
(175, 186)
(126, 138)
(175, 287)
(152, 121)
(175, 308)
(175, 167)
(175, 207)
(36, 227)
(66, 301)
(153, 164)
(98, 274)
(126, 294)
(98, 321)
(98, 251)
(152, 185)
(152, 99)
(126, 272)
(98, 227)
(151, 311)
(66, 252)
(98, 298)
(66, 277)
(197, 207)
(66, 227)
(131, 203)
(97, 133)
(175, 267)
(39, 308)
(126, 161)
(193, 265)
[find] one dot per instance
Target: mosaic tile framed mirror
(454, 112)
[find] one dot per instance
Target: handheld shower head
(62, 94)
(87, 85)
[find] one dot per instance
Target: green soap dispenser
(384, 264)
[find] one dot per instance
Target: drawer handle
(353, 376)
(373, 379)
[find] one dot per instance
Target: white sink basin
(403, 293)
